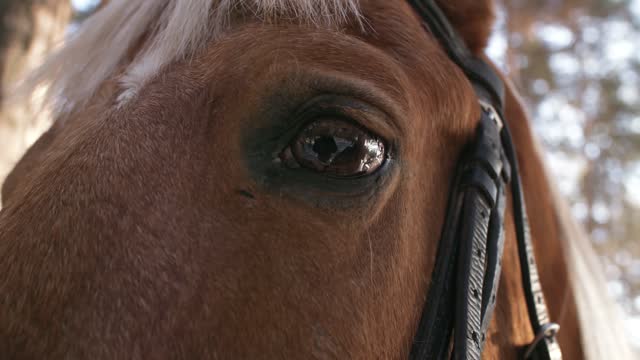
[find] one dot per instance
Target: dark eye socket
(336, 147)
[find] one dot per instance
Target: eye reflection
(336, 147)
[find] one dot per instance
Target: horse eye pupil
(325, 147)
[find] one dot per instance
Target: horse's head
(275, 187)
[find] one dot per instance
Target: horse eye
(336, 147)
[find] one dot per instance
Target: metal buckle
(493, 114)
(548, 330)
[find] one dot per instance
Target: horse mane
(603, 335)
(106, 44)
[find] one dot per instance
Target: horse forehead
(145, 36)
(184, 29)
(392, 49)
(77, 72)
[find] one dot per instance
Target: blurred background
(575, 62)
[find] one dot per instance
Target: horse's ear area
(473, 19)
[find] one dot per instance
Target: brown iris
(337, 147)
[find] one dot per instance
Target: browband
(462, 293)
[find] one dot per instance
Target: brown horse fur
(142, 232)
(472, 19)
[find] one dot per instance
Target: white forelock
(178, 28)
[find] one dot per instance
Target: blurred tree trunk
(29, 29)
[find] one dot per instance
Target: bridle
(462, 294)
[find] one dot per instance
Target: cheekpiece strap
(465, 279)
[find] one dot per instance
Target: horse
(191, 201)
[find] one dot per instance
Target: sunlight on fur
(101, 46)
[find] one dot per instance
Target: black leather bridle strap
(495, 248)
(464, 284)
(438, 312)
(545, 346)
(465, 278)
(471, 263)
(476, 70)
(484, 190)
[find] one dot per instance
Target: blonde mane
(600, 318)
(174, 30)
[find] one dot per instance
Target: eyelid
(364, 115)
